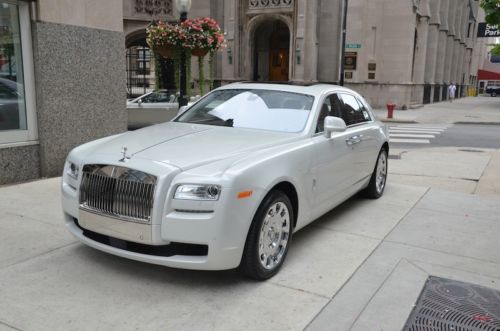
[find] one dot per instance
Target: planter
(167, 51)
(200, 52)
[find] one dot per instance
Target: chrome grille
(117, 192)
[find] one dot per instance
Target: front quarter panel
(262, 171)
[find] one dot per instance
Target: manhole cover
(446, 305)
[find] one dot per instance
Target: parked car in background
(152, 108)
(493, 90)
(229, 180)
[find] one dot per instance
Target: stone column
(419, 62)
(306, 40)
(441, 51)
(450, 42)
(232, 52)
(456, 42)
(432, 46)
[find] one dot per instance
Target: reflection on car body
(11, 103)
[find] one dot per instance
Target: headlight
(73, 170)
(197, 192)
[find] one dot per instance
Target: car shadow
(157, 274)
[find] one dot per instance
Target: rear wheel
(494, 94)
(269, 237)
(376, 187)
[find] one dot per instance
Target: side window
(352, 112)
(331, 107)
(364, 109)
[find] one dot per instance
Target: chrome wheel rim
(274, 235)
(381, 172)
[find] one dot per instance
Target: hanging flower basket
(164, 38)
(200, 52)
(166, 50)
(193, 37)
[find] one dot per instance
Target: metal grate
(445, 305)
(117, 192)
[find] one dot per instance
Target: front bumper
(223, 231)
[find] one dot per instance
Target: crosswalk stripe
(415, 134)
(418, 128)
(412, 135)
(410, 141)
(414, 131)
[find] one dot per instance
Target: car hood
(190, 145)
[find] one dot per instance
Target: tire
(269, 237)
(494, 94)
(376, 187)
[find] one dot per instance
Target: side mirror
(182, 110)
(333, 124)
(139, 102)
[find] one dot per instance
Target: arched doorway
(271, 51)
(144, 69)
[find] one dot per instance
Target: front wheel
(376, 187)
(494, 94)
(269, 237)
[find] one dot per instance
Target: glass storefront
(12, 92)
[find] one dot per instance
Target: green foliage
(492, 10)
(496, 49)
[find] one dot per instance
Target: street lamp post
(183, 7)
(344, 28)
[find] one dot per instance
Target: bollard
(390, 109)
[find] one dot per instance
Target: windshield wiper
(216, 121)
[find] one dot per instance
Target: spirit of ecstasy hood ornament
(125, 156)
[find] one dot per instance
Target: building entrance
(271, 53)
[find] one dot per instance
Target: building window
(17, 118)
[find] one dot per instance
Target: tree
(492, 10)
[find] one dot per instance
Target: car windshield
(252, 109)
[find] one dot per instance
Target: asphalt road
(453, 135)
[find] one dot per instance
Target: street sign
(352, 45)
(485, 30)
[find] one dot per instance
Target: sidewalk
(476, 110)
(359, 267)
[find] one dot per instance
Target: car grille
(117, 192)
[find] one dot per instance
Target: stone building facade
(63, 67)
(401, 51)
(65, 62)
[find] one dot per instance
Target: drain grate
(446, 305)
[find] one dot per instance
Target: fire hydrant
(390, 109)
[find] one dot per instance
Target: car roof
(312, 89)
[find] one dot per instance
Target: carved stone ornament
(154, 7)
(263, 4)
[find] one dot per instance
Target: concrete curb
(479, 123)
(392, 120)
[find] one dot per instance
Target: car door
(361, 137)
(331, 170)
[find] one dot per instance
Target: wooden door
(278, 65)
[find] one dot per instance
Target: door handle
(354, 139)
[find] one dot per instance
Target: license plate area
(116, 228)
